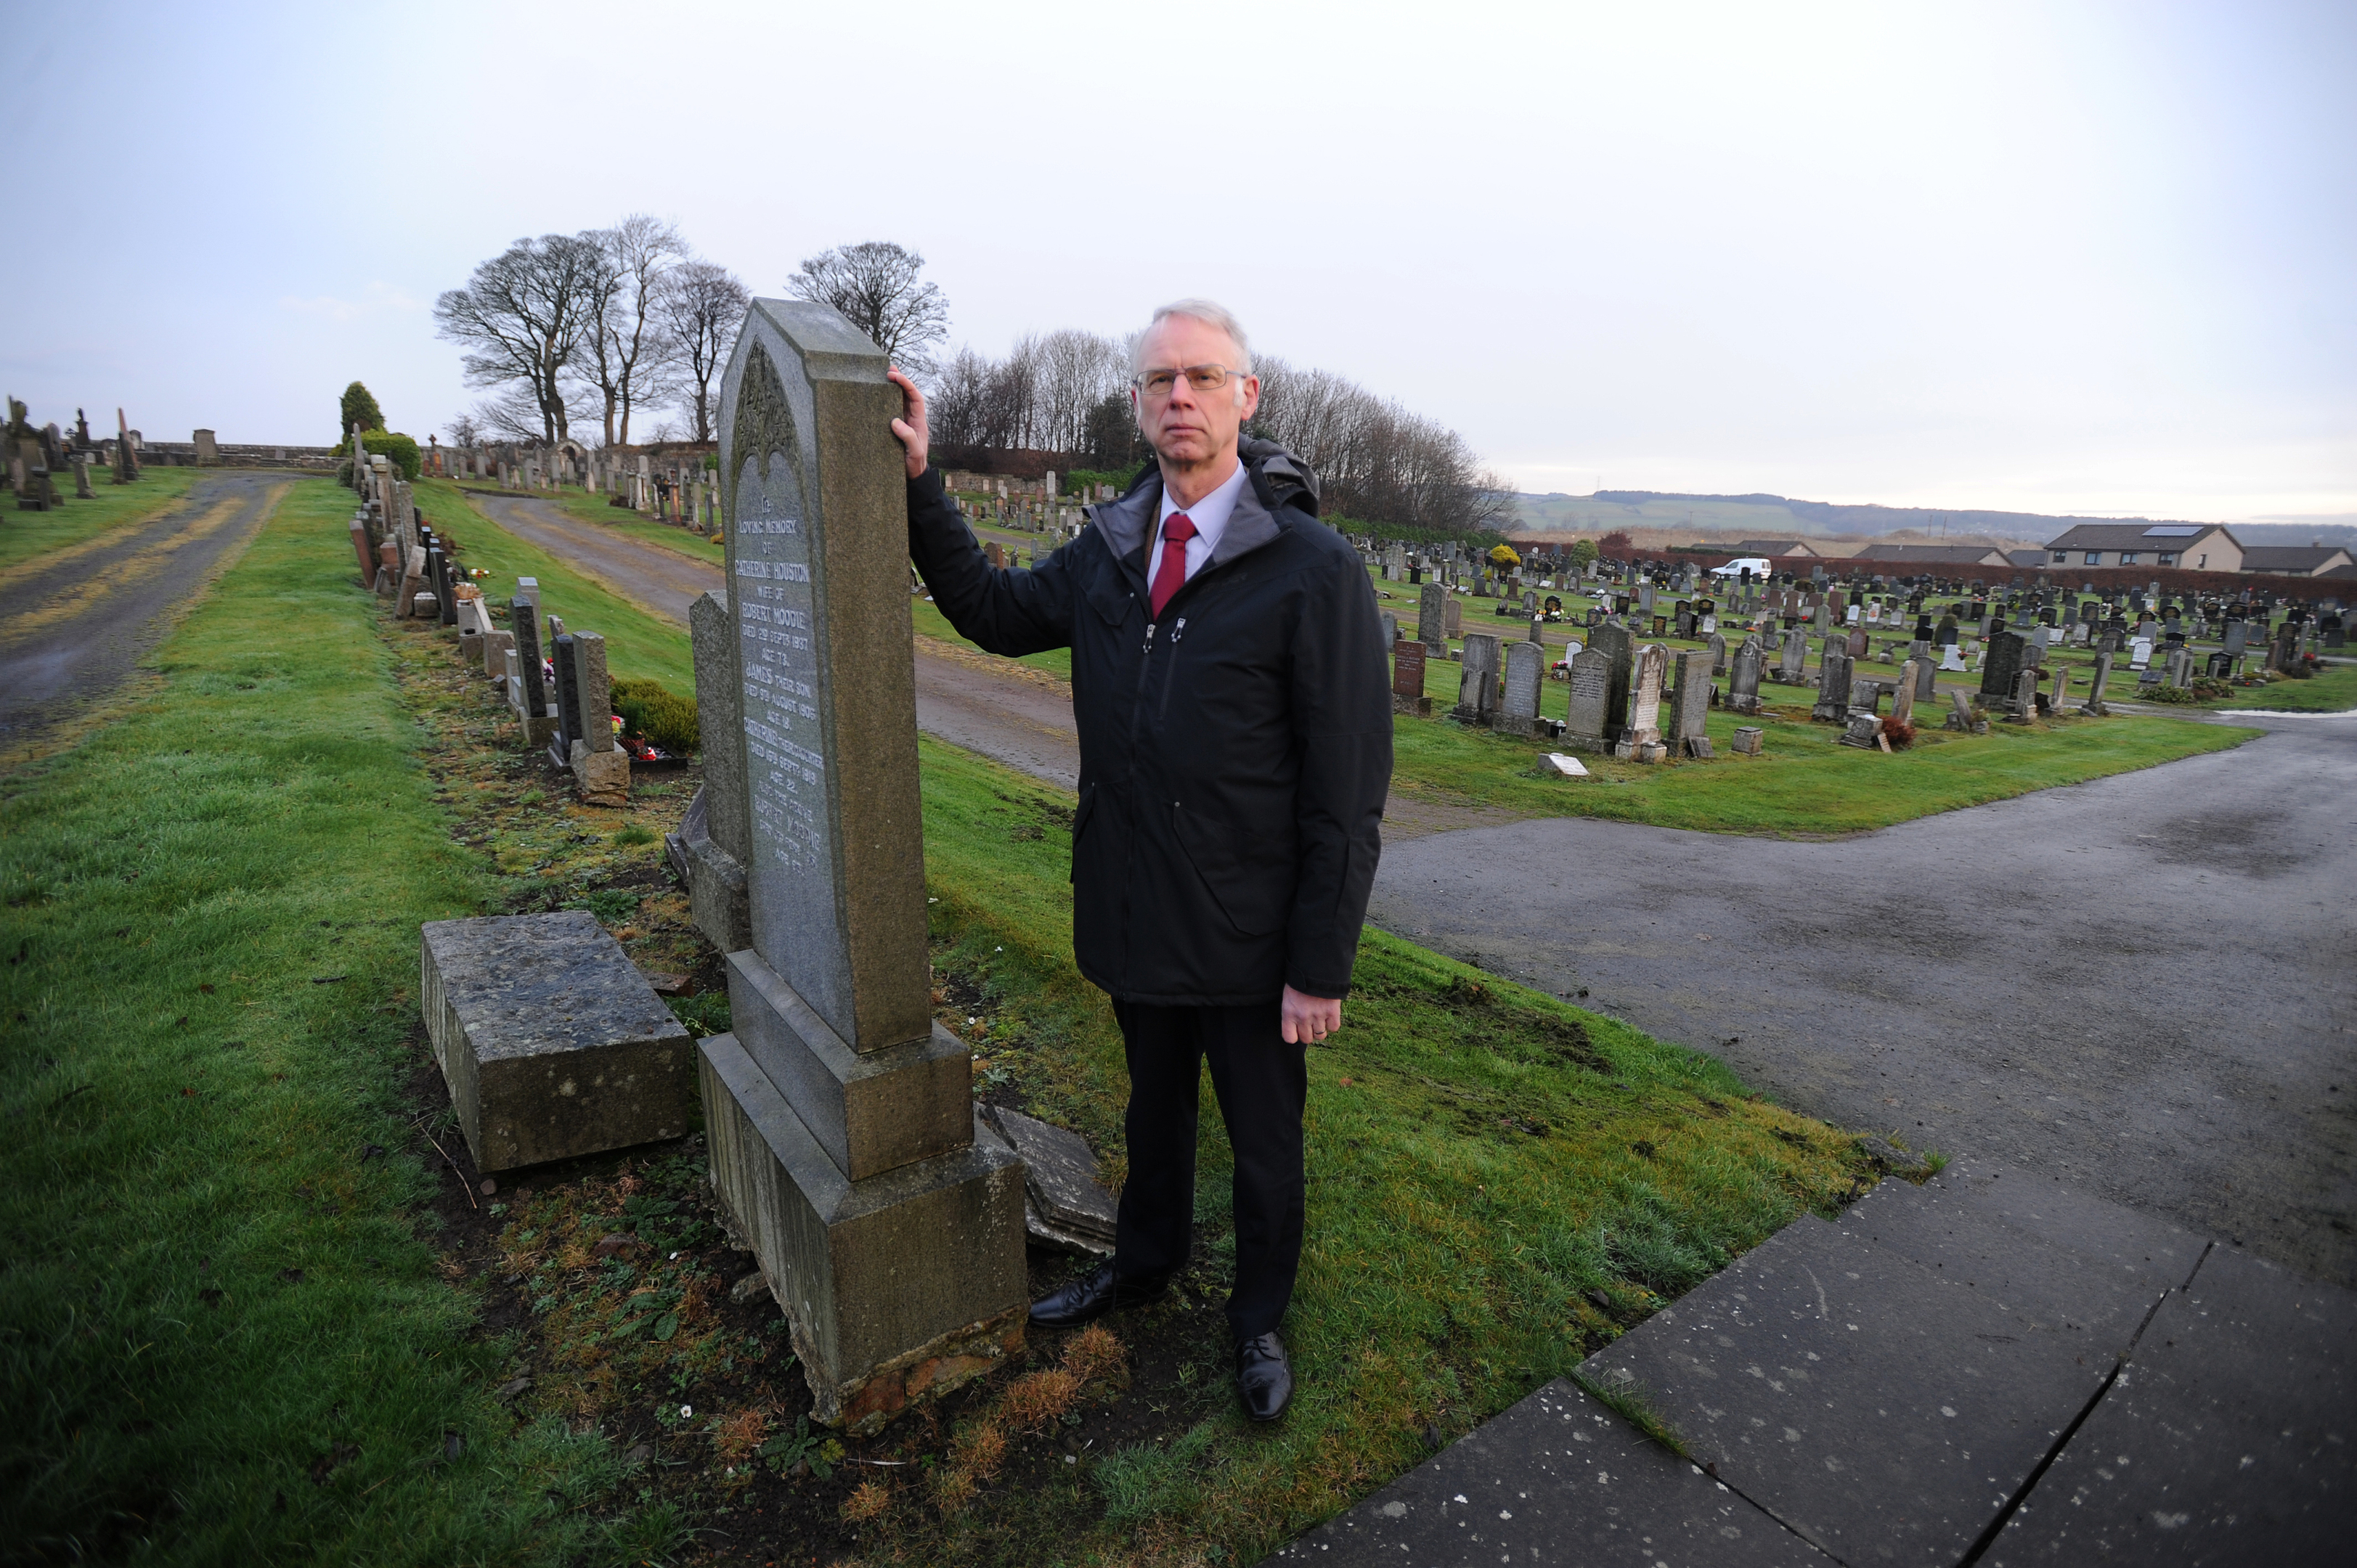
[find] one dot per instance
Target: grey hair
(1211, 313)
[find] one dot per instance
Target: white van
(1759, 565)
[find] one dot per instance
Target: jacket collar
(1128, 525)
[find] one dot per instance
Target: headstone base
(1592, 744)
(1864, 730)
(1640, 751)
(1699, 746)
(897, 1289)
(1503, 724)
(537, 732)
(552, 1043)
(2095, 709)
(1748, 739)
(602, 778)
(1743, 705)
(471, 646)
(716, 898)
(1419, 707)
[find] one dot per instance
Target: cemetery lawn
(27, 535)
(1500, 1183)
(1803, 784)
(639, 645)
(229, 1332)
(2331, 690)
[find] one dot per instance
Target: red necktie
(1171, 575)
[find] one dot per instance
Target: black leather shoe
(1263, 1376)
(1093, 1295)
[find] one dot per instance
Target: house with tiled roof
(2193, 546)
(2295, 560)
(1878, 554)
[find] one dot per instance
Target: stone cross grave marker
(844, 1139)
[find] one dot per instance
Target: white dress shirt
(1209, 517)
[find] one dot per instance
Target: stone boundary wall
(183, 454)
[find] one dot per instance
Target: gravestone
(2181, 668)
(1857, 646)
(841, 1123)
(1743, 683)
(1526, 676)
(527, 686)
(1793, 662)
(552, 1042)
(1407, 680)
(2022, 706)
(1432, 618)
(1620, 650)
(1690, 711)
(2004, 656)
(1452, 618)
(1903, 696)
(1591, 698)
(1832, 683)
(1641, 740)
(1476, 682)
(601, 770)
(1717, 645)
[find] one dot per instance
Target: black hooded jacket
(1234, 757)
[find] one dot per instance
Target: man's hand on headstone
(1308, 1020)
(915, 438)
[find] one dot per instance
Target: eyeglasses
(1203, 378)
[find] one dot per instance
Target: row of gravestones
(35, 459)
(557, 687)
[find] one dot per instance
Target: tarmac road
(2140, 986)
(75, 622)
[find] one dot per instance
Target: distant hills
(1766, 516)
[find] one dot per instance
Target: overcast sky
(2047, 257)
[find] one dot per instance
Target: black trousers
(1263, 1083)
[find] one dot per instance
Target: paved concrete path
(1989, 1368)
(2141, 985)
(75, 622)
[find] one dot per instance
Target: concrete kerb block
(552, 1043)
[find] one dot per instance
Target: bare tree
(463, 432)
(876, 286)
(702, 305)
(626, 351)
(522, 317)
(513, 413)
(1076, 371)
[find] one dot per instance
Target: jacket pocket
(1249, 879)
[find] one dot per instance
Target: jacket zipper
(1170, 674)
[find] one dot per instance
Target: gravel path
(76, 622)
(2140, 985)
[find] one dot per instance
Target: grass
(1803, 783)
(589, 507)
(639, 645)
(226, 1330)
(2332, 690)
(25, 535)
(1499, 1183)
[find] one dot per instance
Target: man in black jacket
(1228, 682)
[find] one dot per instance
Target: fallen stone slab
(1881, 1411)
(1557, 1478)
(1064, 1206)
(2230, 1437)
(552, 1043)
